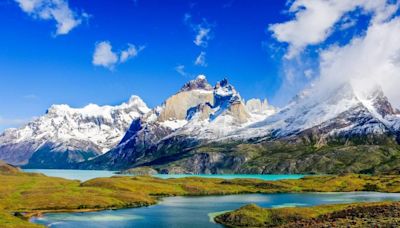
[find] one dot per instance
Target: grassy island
(382, 214)
(26, 194)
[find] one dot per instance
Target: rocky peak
(193, 93)
(258, 106)
(200, 83)
(224, 88)
(136, 101)
(225, 93)
(381, 103)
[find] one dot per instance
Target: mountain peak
(224, 89)
(199, 83)
(380, 102)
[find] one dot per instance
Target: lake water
(84, 175)
(195, 212)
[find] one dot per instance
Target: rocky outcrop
(177, 106)
(192, 94)
(205, 163)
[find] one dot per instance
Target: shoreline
(34, 195)
(40, 213)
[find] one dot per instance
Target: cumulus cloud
(366, 61)
(57, 10)
(104, 55)
(369, 58)
(314, 20)
(201, 59)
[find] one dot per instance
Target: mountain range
(66, 135)
(211, 129)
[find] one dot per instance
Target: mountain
(334, 131)
(66, 135)
(337, 131)
(198, 113)
(211, 129)
(341, 113)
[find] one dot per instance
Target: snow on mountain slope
(341, 110)
(227, 113)
(202, 111)
(91, 128)
(197, 112)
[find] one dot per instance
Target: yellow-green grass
(36, 193)
(254, 216)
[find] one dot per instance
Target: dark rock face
(382, 104)
(133, 149)
(199, 83)
(206, 163)
(49, 158)
(18, 154)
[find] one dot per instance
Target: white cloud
(104, 55)
(314, 20)
(366, 61)
(370, 58)
(181, 70)
(130, 52)
(57, 10)
(202, 30)
(308, 73)
(201, 59)
(203, 36)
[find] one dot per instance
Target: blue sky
(99, 51)
(39, 68)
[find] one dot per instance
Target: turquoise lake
(193, 212)
(84, 175)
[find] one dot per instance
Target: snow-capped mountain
(198, 112)
(212, 130)
(341, 112)
(66, 135)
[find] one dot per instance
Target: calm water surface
(182, 212)
(84, 175)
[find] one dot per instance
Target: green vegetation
(300, 155)
(27, 194)
(382, 214)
